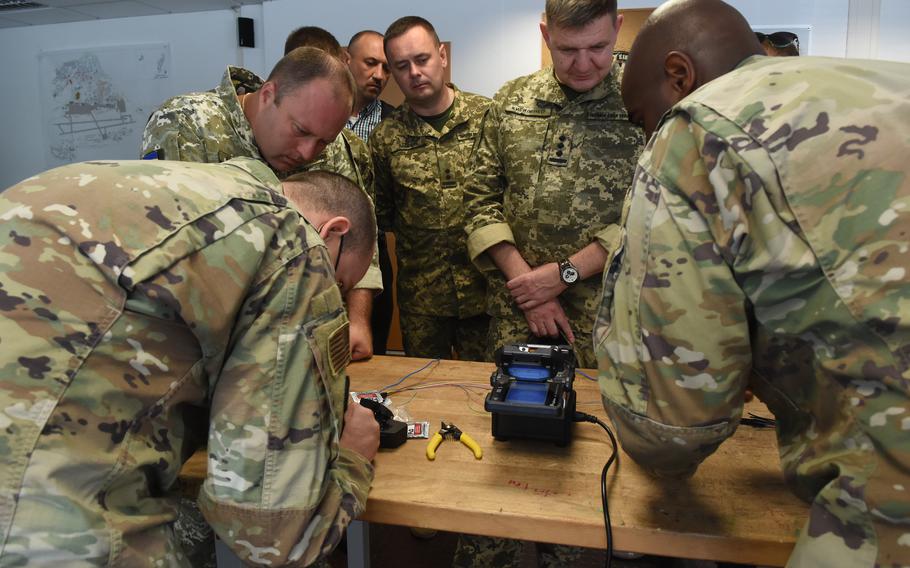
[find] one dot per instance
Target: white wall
(894, 31)
(492, 41)
(496, 40)
(202, 45)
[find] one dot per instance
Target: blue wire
(402, 379)
(585, 375)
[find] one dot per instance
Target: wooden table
(736, 507)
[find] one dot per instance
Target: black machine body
(532, 394)
(392, 433)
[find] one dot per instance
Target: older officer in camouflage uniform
(138, 299)
(546, 186)
(419, 155)
(285, 121)
(544, 195)
(767, 245)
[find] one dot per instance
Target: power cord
(584, 417)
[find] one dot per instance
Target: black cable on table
(584, 417)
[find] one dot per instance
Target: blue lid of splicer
(528, 372)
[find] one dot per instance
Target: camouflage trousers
(437, 337)
(508, 329)
(490, 552)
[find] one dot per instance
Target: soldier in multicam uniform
(419, 156)
(138, 299)
(284, 121)
(766, 247)
(545, 188)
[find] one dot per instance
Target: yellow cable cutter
(451, 431)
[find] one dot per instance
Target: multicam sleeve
(169, 135)
(279, 489)
(483, 193)
(672, 336)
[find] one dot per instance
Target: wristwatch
(567, 272)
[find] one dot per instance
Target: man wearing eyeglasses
(154, 306)
(766, 248)
(779, 44)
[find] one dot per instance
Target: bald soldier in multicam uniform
(285, 121)
(143, 304)
(419, 154)
(767, 247)
(545, 188)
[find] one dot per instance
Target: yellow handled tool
(431, 447)
(447, 430)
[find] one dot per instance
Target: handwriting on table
(541, 491)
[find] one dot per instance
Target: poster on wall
(95, 101)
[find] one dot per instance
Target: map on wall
(96, 101)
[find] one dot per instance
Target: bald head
(683, 45)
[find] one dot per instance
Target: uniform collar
(238, 81)
(259, 170)
(459, 115)
(546, 87)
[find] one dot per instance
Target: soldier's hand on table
(532, 289)
(361, 338)
(548, 319)
(361, 431)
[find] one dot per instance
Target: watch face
(569, 275)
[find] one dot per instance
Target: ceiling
(62, 11)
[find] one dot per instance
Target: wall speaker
(245, 32)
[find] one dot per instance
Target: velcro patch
(340, 348)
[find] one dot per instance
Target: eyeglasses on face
(780, 40)
(340, 246)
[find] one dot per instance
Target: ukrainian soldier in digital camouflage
(546, 185)
(136, 300)
(543, 196)
(419, 156)
(284, 121)
(346, 155)
(207, 127)
(349, 156)
(766, 246)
